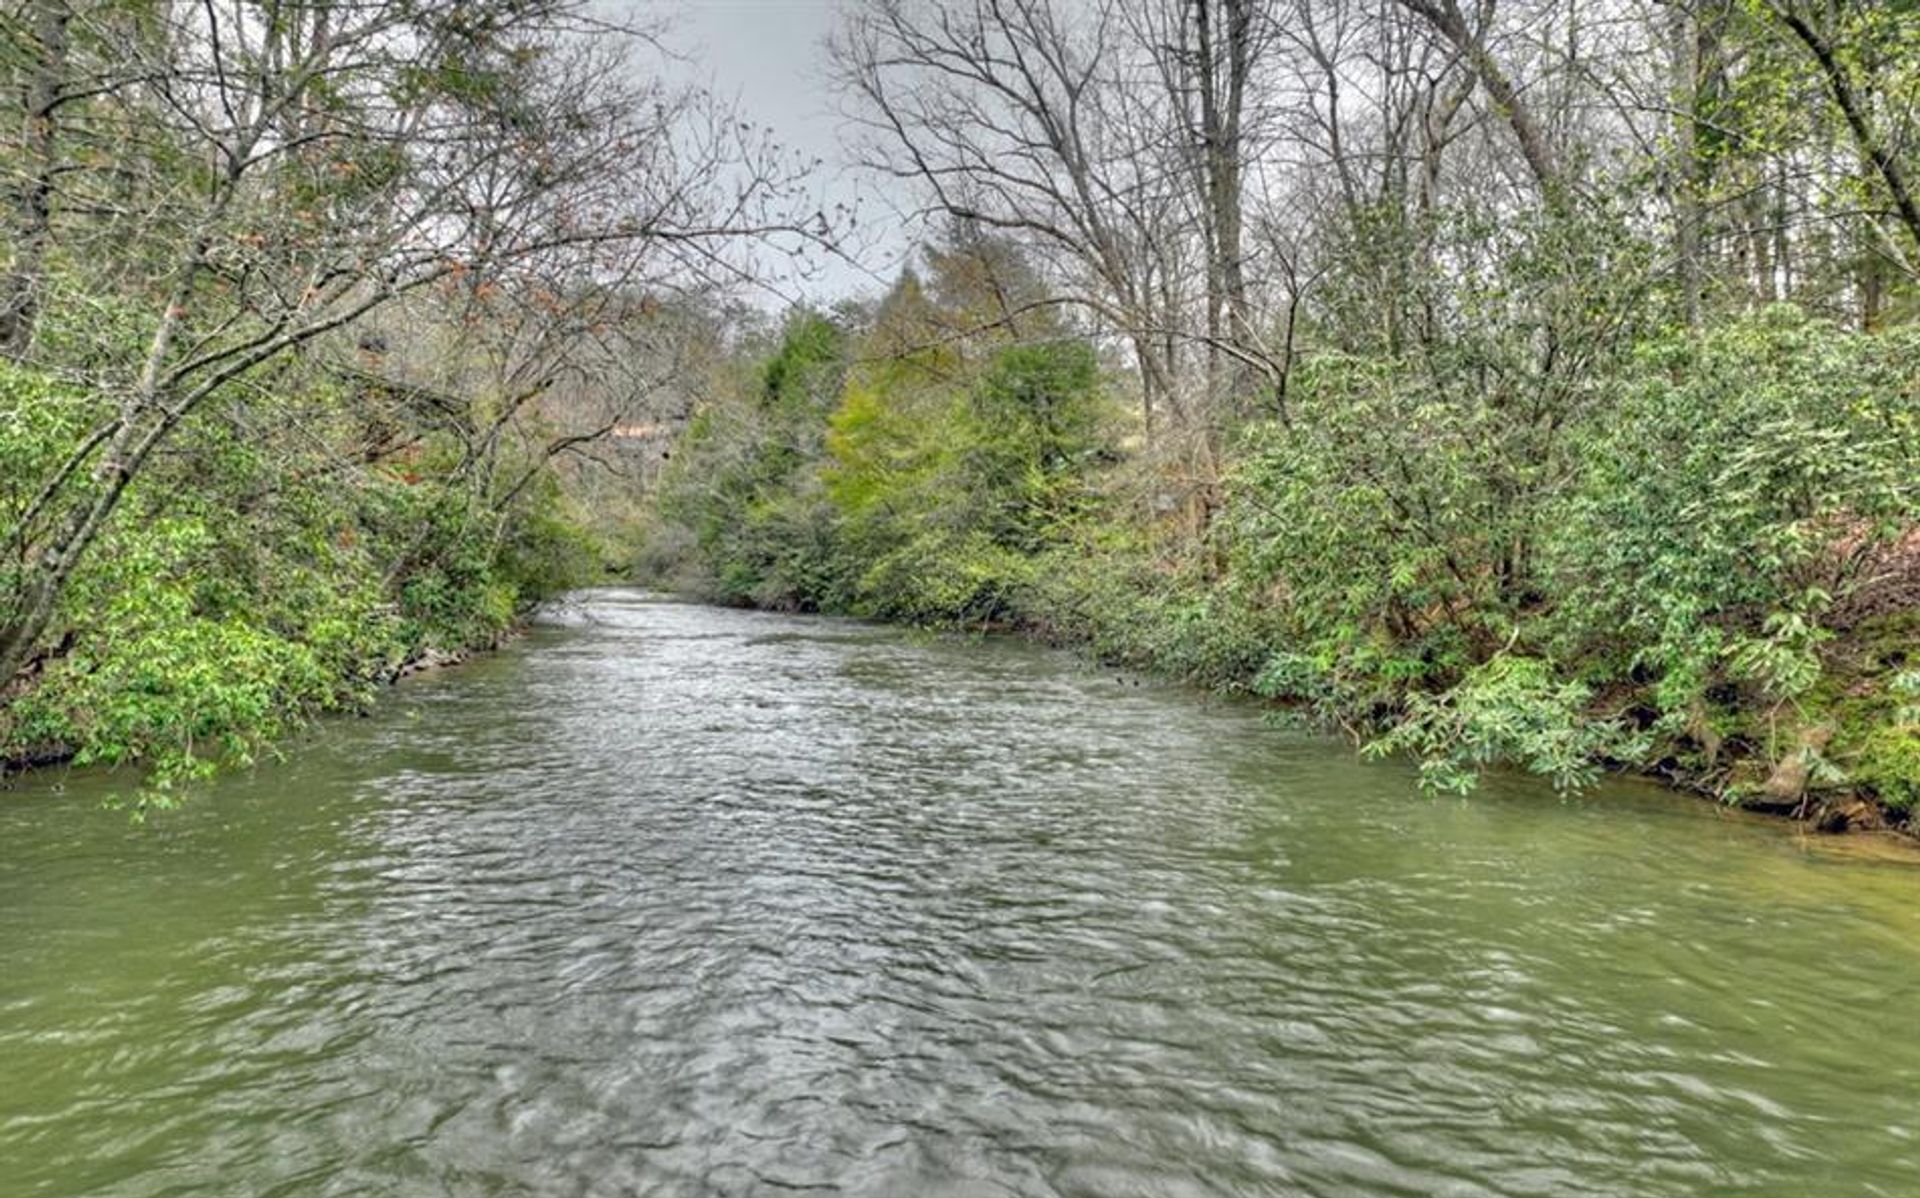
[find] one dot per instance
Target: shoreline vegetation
(154, 789)
(1717, 590)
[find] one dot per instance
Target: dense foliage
(253, 580)
(1517, 381)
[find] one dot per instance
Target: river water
(674, 900)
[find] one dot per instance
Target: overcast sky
(769, 57)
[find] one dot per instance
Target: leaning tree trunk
(1872, 145)
(1446, 18)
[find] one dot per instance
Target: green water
(670, 900)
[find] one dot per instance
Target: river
(665, 899)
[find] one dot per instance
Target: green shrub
(1888, 762)
(248, 583)
(1728, 500)
(1511, 709)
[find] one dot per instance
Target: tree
(42, 85)
(1471, 44)
(1853, 45)
(292, 169)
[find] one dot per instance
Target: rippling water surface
(671, 900)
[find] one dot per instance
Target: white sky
(769, 57)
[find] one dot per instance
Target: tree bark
(1685, 36)
(1446, 18)
(1225, 59)
(1840, 84)
(24, 287)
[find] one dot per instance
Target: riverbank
(18, 761)
(259, 572)
(1744, 780)
(1710, 574)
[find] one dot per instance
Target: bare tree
(1114, 139)
(1850, 97)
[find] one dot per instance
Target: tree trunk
(1224, 58)
(144, 422)
(1447, 20)
(1685, 36)
(1840, 84)
(54, 567)
(23, 289)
